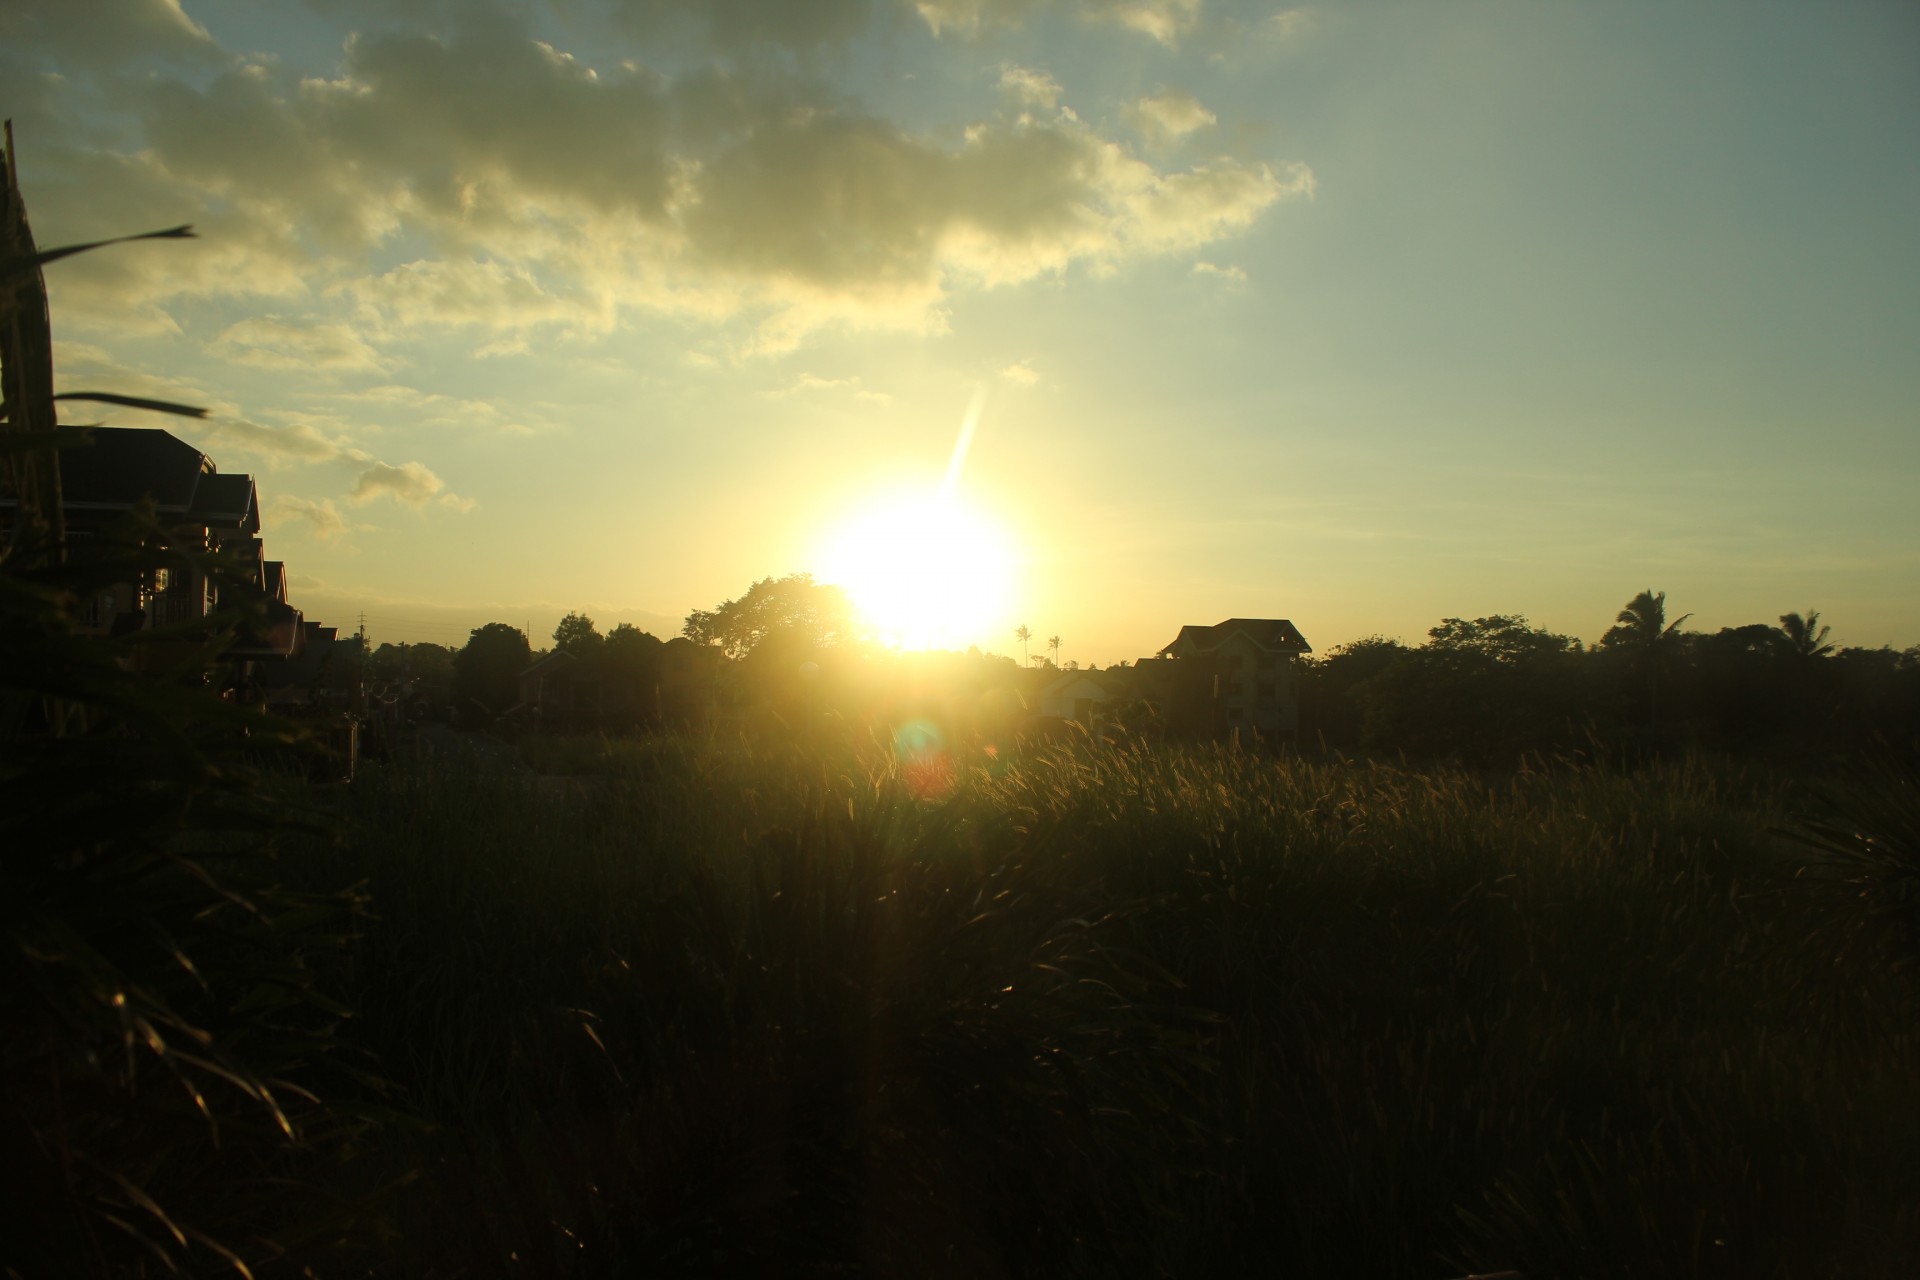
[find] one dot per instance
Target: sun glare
(925, 570)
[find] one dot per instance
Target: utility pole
(358, 703)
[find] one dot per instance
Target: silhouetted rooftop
(226, 501)
(1275, 634)
(125, 464)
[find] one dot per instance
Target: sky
(1362, 315)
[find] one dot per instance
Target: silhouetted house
(195, 509)
(314, 674)
(1078, 695)
(1235, 677)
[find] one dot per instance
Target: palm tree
(1023, 635)
(1053, 643)
(1642, 631)
(1802, 641)
(1642, 626)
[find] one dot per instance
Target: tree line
(1478, 688)
(1498, 686)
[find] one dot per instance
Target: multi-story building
(196, 509)
(1233, 678)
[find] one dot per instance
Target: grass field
(1176, 1011)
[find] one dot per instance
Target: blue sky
(1362, 315)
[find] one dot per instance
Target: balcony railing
(170, 609)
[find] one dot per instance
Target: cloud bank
(477, 178)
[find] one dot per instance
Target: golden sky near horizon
(1361, 315)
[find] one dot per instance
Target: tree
(1023, 635)
(1802, 640)
(487, 670)
(1641, 632)
(628, 663)
(576, 635)
(1642, 626)
(628, 639)
(1502, 638)
(1332, 702)
(1053, 643)
(796, 609)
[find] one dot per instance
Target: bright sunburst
(926, 570)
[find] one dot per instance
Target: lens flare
(926, 766)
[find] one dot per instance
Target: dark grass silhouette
(1162, 1011)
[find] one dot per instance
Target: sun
(926, 570)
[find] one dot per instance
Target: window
(1266, 661)
(1233, 663)
(1234, 688)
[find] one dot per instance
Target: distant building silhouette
(198, 509)
(1081, 695)
(1233, 678)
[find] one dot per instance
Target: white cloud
(1165, 20)
(1030, 86)
(1228, 274)
(450, 293)
(102, 34)
(541, 198)
(967, 17)
(435, 409)
(80, 366)
(793, 24)
(279, 445)
(1020, 374)
(1169, 115)
(1286, 25)
(410, 482)
(808, 382)
(297, 439)
(321, 517)
(269, 342)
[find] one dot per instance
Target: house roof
(126, 464)
(279, 635)
(226, 501)
(1276, 635)
(1066, 679)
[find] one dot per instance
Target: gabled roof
(227, 501)
(126, 464)
(1066, 679)
(279, 635)
(1275, 635)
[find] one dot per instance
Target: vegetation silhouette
(487, 670)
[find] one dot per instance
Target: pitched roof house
(200, 509)
(1077, 695)
(1230, 678)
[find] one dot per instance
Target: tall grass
(752, 1008)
